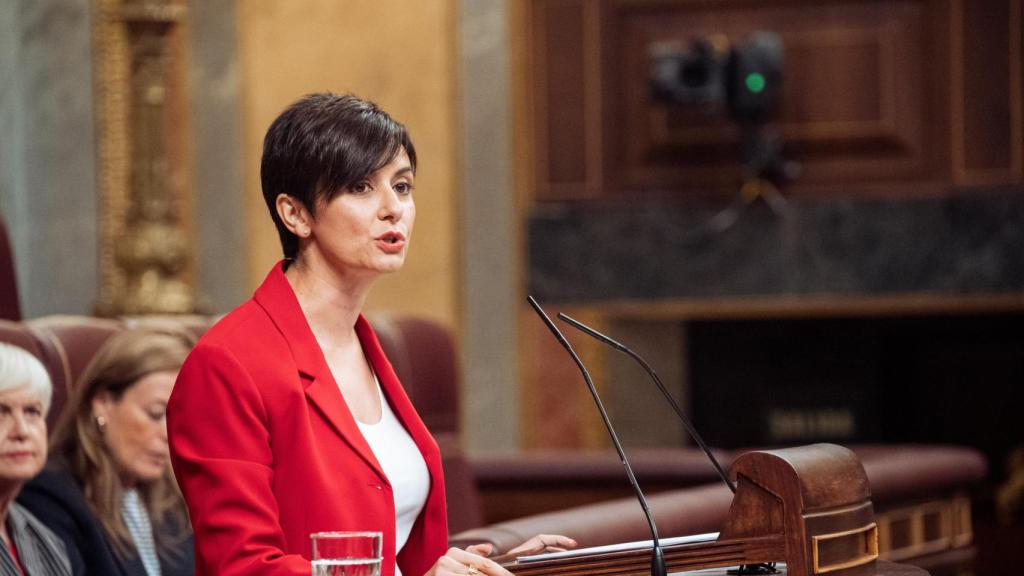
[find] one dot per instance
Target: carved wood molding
(145, 250)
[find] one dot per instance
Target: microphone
(657, 556)
(657, 381)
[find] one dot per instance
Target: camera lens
(695, 73)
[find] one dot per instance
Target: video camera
(745, 77)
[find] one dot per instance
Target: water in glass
(347, 567)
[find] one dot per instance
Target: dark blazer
(266, 451)
(55, 498)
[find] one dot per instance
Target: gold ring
(472, 571)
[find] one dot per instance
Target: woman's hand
(543, 543)
(472, 562)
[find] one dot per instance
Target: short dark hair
(321, 145)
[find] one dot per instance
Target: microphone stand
(661, 386)
(744, 570)
(658, 567)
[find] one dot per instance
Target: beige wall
(403, 56)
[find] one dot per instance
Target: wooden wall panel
(879, 96)
(564, 94)
(985, 75)
(568, 77)
(854, 94)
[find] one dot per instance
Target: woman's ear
(294, 215)
(101, 405)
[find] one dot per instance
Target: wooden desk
(883, 567)
(808, 507)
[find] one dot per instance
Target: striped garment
(137, 519)
(40, 551)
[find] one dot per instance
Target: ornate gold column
(145, 252)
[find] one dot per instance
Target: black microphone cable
(657, 556)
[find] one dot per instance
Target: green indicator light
(755, 83)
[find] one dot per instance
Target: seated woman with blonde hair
(108, 491)
(30, 548)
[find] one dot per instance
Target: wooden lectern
(808, 507)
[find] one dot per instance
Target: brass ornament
(144, 249)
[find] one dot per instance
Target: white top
(403, 465)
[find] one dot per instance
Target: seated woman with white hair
(30, 548)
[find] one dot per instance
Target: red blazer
(266, 451)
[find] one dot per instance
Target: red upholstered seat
(66, 345)
(901, 472)
(18, 334)
(10, 306)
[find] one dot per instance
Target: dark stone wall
(967, 243)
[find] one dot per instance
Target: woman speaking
(287, 418)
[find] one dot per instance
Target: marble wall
(959, 244)
(490, 289)
(215, 92)
(47, 152)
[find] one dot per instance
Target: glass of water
(346, 553)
